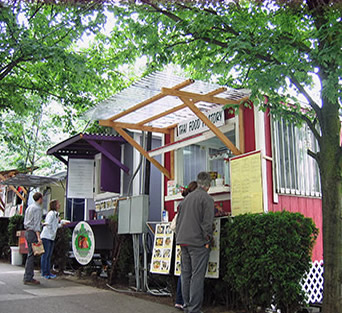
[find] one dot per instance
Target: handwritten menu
(214, 256)
(162, 249)
(246, 184)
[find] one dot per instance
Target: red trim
(249, 125)
(244, 155)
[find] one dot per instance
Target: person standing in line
(194, 232)
(179, 298)
(48, 235)
(32, 225)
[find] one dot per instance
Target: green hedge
(16, 222)
(265, 257)
(61, 248)
(4, 246)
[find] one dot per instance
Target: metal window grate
(295, 171)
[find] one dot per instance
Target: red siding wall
(309, 207)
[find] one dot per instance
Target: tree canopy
(42, 63)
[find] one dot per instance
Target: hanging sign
(83, 243)
(196, 125)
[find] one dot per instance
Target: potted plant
(16, 223)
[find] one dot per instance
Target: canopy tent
(8, 174)
(158, 102)
(29, 180)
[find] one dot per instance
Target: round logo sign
(83, 243)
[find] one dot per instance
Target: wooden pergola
(189, 101)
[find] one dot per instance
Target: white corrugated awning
(162, 100)
(151, 86)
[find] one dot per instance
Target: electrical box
(133, 215)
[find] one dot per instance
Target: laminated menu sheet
(246, 184)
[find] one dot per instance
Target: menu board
(246, 184)
(162, 249)
(214, 256)
(80, 178)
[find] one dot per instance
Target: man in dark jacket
(194, 231)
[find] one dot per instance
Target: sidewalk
(64, 295)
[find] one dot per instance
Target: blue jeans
(45, 261)
(179, 298)
(194, 266)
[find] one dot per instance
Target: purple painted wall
(110, 173)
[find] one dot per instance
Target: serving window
(209, 155)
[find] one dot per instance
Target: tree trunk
(330, 169)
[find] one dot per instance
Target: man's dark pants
(194, 266)
(31, 237)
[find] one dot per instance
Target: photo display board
(214, 256)
(246, 184)
(162, 249)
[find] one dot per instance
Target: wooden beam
(150, 100)
(24, 190)
(108, 155)
(133, 143)
(179, 107)
(241, 129)
(133, 126)
(12, 187)
(211, 126)
(155, 117)
(198, 97)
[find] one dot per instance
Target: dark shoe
(31, 282)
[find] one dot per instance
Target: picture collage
(162, 249)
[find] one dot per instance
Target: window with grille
(295, 171)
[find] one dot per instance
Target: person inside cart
(194, 232)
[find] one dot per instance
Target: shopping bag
(38, 248)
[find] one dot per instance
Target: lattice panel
(313, 283)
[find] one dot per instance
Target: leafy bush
(16, 222)
(266, 257)
(122, 254)
(3, 235)
(61, 249)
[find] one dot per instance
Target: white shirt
(51, 225)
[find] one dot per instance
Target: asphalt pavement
(63, 295)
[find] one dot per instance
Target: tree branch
(307, 121)
(312, 154)
(312, 102)
(36, 11)
(167, 13)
